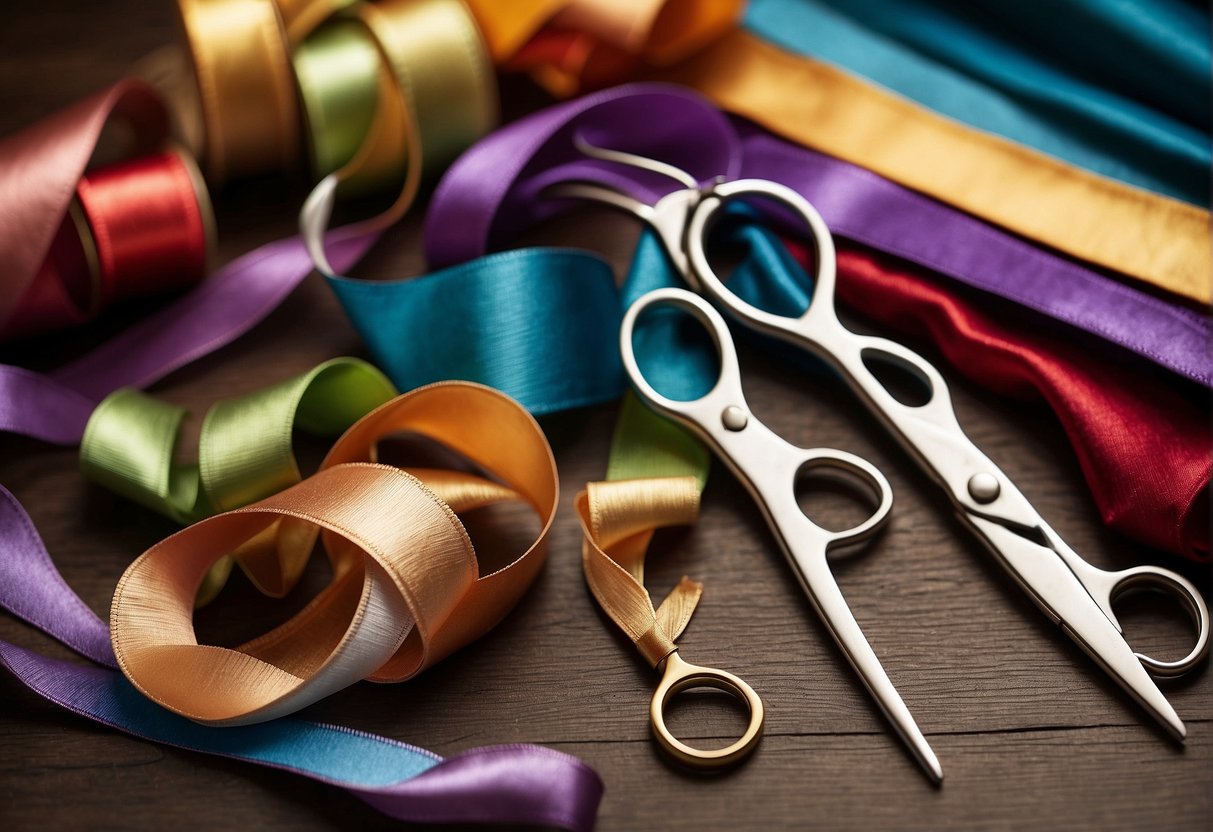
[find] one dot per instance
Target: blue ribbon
(1121, 89)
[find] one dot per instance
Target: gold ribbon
(618, 520)
(253, 77)
(1143, 235)
(406, 588)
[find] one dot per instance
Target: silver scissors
(769, 467)
(1070, 591)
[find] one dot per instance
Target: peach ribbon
(406, 591)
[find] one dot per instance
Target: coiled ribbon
(522, 784)
(132, 228)
(244, 454)
(354, 82)
(406, 587)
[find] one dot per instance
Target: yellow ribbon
(375, 83)
(1142, 235)
(618, 520)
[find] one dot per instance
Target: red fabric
(1146, 451)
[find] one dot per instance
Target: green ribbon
(337, 69)
(130, 445)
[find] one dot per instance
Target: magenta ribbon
(495, 190)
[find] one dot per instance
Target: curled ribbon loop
(406, 587)
(618, 520)
(244, 454)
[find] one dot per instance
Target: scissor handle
(680, 676)
(726, 390)
(1106, 586)
(704, 278)
(856, 469)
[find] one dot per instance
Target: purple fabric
(521, 784)
(494, 191)
(55, 408)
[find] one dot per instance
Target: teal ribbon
(1119, 88)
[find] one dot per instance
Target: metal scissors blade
(1071, 591)
(768, 466)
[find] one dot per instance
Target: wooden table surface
(1031, 734)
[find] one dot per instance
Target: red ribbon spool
(135, 228)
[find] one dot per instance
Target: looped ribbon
(244, 454)
(361, 80)
(618, 520)
(136, 227)
(406, 588)
(521, 784)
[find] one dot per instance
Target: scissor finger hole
(676, 354)
(1153, 622)
(842, 497)
(902, 380)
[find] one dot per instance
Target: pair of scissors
(1070, 591)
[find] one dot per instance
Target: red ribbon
(1144, 448)
(78, 242)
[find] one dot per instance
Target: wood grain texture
(1029, 731)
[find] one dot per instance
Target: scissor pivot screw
(984, 487)
(734, 418)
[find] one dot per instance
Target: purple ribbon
(495, 190)
(521, 784)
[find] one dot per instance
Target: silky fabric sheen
(618, 520)
(134, 228)
(493, 191)
(952, 58)
(44, 163)
(130, 446)
(1142, 235)
(522, 784)
(496, 190)
(403, 594)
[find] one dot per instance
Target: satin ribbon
(1140, 234)
(340, 66)
(442, 111)
(599, 43)
(42, 167)
(618, 520)
(1144, 449)
(988, 67)
(495, 190)
(244, 454)
(406, 588)
(521, 784)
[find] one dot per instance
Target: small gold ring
(679, 676)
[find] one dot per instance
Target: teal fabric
(543, 324)
(538, 324)
(1119, 88)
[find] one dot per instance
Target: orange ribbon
(406, 591)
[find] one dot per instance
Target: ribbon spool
(406, 587)
(265, 74)
(134, 228)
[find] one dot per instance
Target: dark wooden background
(1029, 731)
